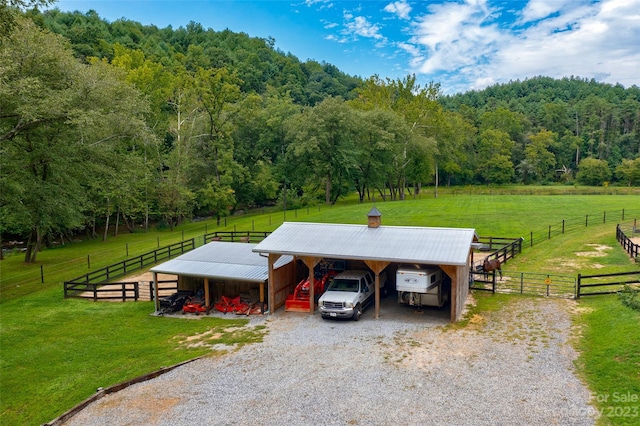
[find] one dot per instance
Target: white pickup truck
(349, 293)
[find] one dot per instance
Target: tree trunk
(33, 245)
(94, 234)
(327, 190)
(115, 231)
(146, 218)
(106, 225)
(130, 225)
(437, 179)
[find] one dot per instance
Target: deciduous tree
(57, 116)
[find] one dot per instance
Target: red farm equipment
(299, 300)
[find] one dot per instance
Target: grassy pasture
(56, 352)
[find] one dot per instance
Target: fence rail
(575, 224)
(549, 285)
(629, 246)
(122, 290)
(591, 285)
(93, 280)
(236, 236)
(500, 248)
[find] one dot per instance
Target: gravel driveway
(510, 367)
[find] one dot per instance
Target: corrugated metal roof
(404, 244)
(222, 260)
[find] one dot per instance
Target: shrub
(629, 297)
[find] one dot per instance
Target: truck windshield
(343, 285)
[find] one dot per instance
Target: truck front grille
(333, 305)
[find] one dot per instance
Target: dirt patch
(148, 408)
(598, 251)
(528, 326)
(148, 277)
(582, 259)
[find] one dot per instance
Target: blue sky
(463, 45)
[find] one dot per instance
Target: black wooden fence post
(578, 286)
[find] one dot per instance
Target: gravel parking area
(510, 367)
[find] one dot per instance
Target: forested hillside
(589, 120)
(116, 121)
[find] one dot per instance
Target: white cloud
(456, 35)
(468, 46)
(324, 4)
(399, 8)
(328, 25)
(412, 49)
(360, 26)
(539, 9)
(600, 41)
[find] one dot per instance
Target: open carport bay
(514, 367)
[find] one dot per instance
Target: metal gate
(549, 285)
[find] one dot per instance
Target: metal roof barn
(221, 260)
(378, 246)
(443, 246)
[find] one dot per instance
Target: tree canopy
(102, 121)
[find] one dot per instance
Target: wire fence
(579, 223)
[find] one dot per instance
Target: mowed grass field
(55, 352)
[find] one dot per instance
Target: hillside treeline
(120, 122)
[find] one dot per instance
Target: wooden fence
(577, 224)
(555, 285)
(236, 236)
(591, 285)
(91, 282)
(629, 246)
(549, 285)
(499, 248)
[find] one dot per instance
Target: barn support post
(207, 303)
(272, 282)
(377, 267)
(262, 297)
(311, 263)
(459, 288)
(155, 292)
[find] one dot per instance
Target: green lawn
(56, 352)
(610, 358)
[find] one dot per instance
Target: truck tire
(357, 312)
